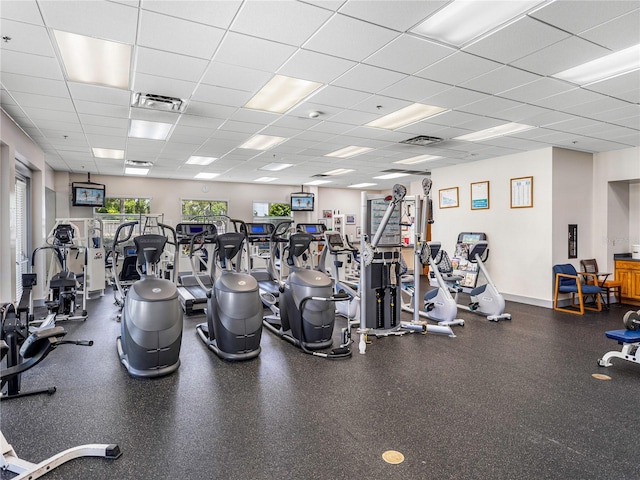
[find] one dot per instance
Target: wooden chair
(607, 286)
(567, 280)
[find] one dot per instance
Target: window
(201, 210)
(125, 205)
(22, 230)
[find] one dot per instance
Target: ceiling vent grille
(409, 172)
(422, 140)
(161, 103)
(138, 163)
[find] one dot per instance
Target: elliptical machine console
(151, 325)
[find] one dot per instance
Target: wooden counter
(628, 272)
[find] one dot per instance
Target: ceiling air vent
(408, 172)
(422, 140)
(161, 103)
(138, 163)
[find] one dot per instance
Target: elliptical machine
(234, 311)
(151, 325)
(307, 305)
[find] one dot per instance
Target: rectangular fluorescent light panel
(499, 131)
(206, 176)
(195, 160)
(389, 176)
(406, 116)
(318, 182)
(150, 130)
(281, 93)
(418, 159)
(262, 142)
(462, 21)
(347, 152)
(609, 66)
(92, 60)
(276, 167)
(108, 153)
(136, 171)
(265, 179)
(362, 185)
(339, 171)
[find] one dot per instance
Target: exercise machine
(336, 245)
(306, 305)
(277, 270)
(34, 350)
(410, 286)
(485, 299)
(193, 287)
(234, 310)
(151, 326)
(629, 338)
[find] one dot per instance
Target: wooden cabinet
(628, 272)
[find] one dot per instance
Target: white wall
(519, 239)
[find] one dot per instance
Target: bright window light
(136, 171)
(265, 179)
(281, 93)
(150, 130)
(195, 160)
(406, 116)
(389, 176)
(262, 142)
(206, 176)
(462, 21)
(339, 171)
(92, 60)
(499, 131)
(276, 167)
(318, 182)
(418, 159)
(362, 185)
(611, 65)
(108, 153)
(347, 152)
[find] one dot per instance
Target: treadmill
(259, 236)
(193, 297)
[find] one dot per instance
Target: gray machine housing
(151, 325)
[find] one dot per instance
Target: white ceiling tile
(542, 88)
(315, 67)
(287, 22)
(562, 13)
(250, 52)
(517, 40)
(490, 106)
(624, 87)
(22, 11)
(339, 97)
(37, 85)
(203, 109)
(33, 65)
(353, 117)
(172, 65)
(199, 121)
(562, 100)
(107, 141)
(169, 87)
(25, 38)
(221, 96)
(453, 98)
(101, 109)
(368, 79)
(399, 14)
(561, 56)
(500, 80)
(617, 34)
(100, 19)
(233, 76)
(602, 104)
(217, 14)
(380, 105)
(458, 68)
(99, 94)
(178, 36)
(104, 121)
(42, 101)
(349, 38)
(522, 112)
(415, 89)
(408, 54)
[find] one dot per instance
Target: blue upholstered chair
(567, 280)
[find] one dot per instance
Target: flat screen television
(302, 202)
(87, 194)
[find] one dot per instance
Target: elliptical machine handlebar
(281, 229)
(343, 351)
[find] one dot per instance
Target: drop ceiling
(218, 54)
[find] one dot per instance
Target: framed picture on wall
(522, 192)
(327, 214)
(449, 197)
(351, 219)
(480, 195)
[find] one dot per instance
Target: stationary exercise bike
(151, 325)
(439, 305)
(234, 311)
(307, 305)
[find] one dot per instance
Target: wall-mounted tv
(87, 194)
(302, 202)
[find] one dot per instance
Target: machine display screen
(257, 229)
(471, 238)
(311, 229)
(335, 240)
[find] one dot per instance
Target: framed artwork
(522, 192)
(480, 195)
(327, 214)
(351, 219)
(449, 197)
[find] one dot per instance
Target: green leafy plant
(280, 210)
